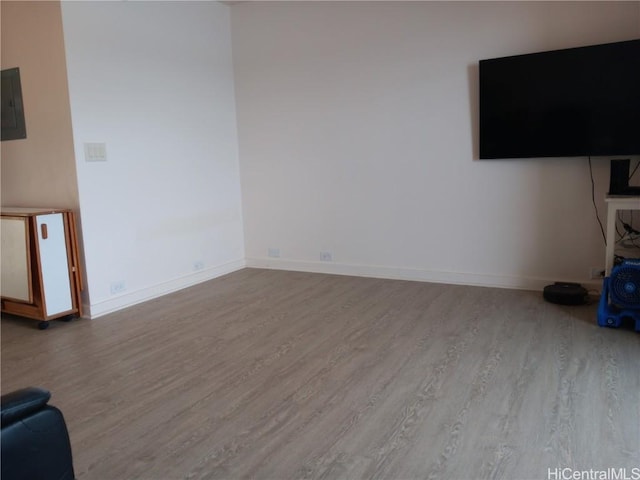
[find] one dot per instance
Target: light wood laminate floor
(281, 375)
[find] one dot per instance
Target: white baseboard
(132, 298)
(415, 274)
(397, 273)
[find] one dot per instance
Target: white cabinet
(41, 276)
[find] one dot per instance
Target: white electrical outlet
(273, 252)
(596, 273)
(326, 257)
(118, 287)
(198, 265)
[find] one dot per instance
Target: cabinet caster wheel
(43, 325)
(67, 318)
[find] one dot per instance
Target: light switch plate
(95, 152)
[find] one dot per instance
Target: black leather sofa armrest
(18, 404)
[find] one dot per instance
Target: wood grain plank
(272, 374)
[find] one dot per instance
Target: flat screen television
(574, 102)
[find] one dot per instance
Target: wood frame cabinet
(41, 275)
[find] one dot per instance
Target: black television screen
(562, 103)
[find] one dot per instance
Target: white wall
(154, 82)
(358, 136)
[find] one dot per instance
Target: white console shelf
(615, 203)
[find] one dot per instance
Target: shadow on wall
(473, 75)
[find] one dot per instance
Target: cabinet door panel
(16, 269)
(52, 246)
